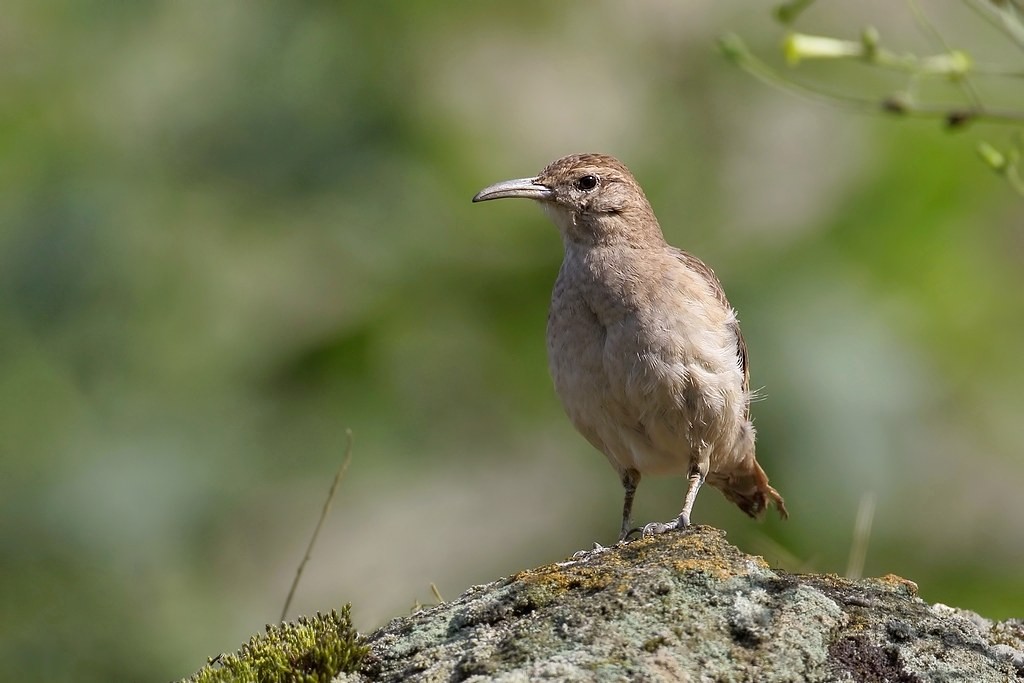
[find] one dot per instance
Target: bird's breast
(644, 370)
(576, 339)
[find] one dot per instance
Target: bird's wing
(705, 271)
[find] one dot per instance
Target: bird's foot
(583, 554)
(655, 528)
(626, 535)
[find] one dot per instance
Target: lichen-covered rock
(691, 607)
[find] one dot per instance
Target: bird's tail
(743, 481)
(748, 487)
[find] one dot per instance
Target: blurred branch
(1005, 14)
(733, 47)
(955, 66)
(928, 27)
(1006, 164)
(789, 12)
(814, 47)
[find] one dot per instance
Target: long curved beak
(527, 188)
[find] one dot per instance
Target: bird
(644, 349)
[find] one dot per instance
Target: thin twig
(955, 116)
(936, 36)
(1005, 19)
(788, 12)
(1005, 163)
(733, 47)
(996, 70)
(339, 475)
(1016, 181)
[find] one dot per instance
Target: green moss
(652, 644)
(307, 651)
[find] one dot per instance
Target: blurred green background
(231, 230)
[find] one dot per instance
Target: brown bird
(643, 346)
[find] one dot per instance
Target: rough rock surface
(691, 607)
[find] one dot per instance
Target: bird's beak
(520, 187)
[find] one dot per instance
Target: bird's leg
(695, 479)
(630, 480)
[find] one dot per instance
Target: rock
(691, 607)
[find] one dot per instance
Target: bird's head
(592, 198)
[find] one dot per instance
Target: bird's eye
(587, 182)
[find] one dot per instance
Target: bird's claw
(583, 554)
(624, 538)
(655, 528)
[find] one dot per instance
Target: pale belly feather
(652, 395)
